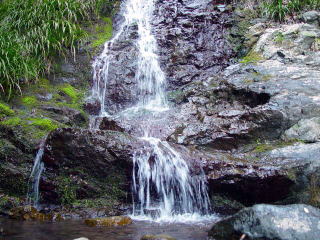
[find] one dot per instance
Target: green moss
(279, 37)
(66, 190)
(265, 147)
(71, 92)
(44, 124)
(314, 191)
(5, 110)
(253, 57)
(29, 101)
(15, 121)
(316, 45)
(104, 33)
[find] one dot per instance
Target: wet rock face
(270, 222)
(191, 44)
(192, 40)
(95, 161)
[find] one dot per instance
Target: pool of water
(69, 230)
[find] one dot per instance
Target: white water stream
(34, 179)
(163, 188)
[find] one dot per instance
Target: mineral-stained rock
(296, 222)
(31, 213)
(157, 237)
(109, 222)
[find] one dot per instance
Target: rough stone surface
(97, 161)
(307, 130)
(294, 222)
(109, 222)
(311, 17)
(192, 47)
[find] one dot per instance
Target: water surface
(18, 230)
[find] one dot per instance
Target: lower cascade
(162, 185)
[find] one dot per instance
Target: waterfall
(163, 187)
(34, 179)
(163, 184)
(149, 76)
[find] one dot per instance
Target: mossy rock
(109, 222)
(30, 213)
(252, 58)
(157, 237)
(103, 32)
(5, 110)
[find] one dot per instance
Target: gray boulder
(311, 17)
(307, 130)
(290, 222)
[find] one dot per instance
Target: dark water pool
(69, 230)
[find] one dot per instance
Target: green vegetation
(265, 147)
(15, 121)
(279, 9)
(5, 110)
(279, 38)
(67, 190)
(44, 124)
(32, 32)
(252, 57)
(29, 101)
(104, 32)
(71, 92)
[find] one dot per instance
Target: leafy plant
(67, 190)
(33, 31)
(275, 10)
(278, 10)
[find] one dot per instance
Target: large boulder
(87, 164)
(294, 222)
(285, 174)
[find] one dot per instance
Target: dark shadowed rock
(98, 162)
(66, 115)
(294, 222)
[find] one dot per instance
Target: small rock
(109, 222)
(157, 237)
(82, 238)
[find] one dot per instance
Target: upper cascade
(149, 76)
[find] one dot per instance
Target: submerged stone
(157, 237)
(31, 213)
(109, 222)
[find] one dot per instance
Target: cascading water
(150, 77)
(34, 179)
(162, 183)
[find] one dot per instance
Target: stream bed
(69, 230)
